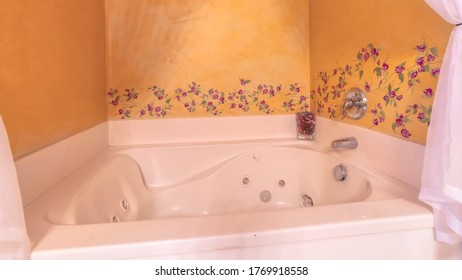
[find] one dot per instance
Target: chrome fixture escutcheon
(355, 105)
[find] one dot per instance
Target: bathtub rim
(155, 237)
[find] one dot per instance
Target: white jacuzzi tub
(242, 200)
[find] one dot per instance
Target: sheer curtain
(442, 172)
(14, 243)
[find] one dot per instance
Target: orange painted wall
(202, 58)
(52, 70)
(360, 43)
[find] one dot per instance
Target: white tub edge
(41, 170)
(404, 159)
(187, 130)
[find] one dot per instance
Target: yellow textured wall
(213, 57)
(196, 58)
(52, 70)
(391, 49)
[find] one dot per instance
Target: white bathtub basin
(205, 201)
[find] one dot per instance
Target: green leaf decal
(434, 51)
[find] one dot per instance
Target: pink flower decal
(420, 60)
(399, 121)
(244, 82)
(367, 87)
(428, 92)
(436, 71)
(421, 48)
(366, 57)
(420, 116)
(405, 133)
(399, 69)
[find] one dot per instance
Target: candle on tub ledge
(306, 124)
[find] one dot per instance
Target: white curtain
(14, 243)
(442, 172)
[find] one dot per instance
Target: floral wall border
(388, 85)
(155, 102)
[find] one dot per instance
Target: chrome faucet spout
(348, 143)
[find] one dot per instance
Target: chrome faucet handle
(355, 105)
(347, 105)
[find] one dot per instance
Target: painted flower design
(332, 110)
(378, 115)
(421, 48)
(130, 94)
(265, 89)
(400, 122)
(158, 103)
(244, 82)
(264, 107)
(405, 133)
(367, 87)
(112, 92)
(428, 93)
(289, 105)
(383, 83)
(392, 97)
